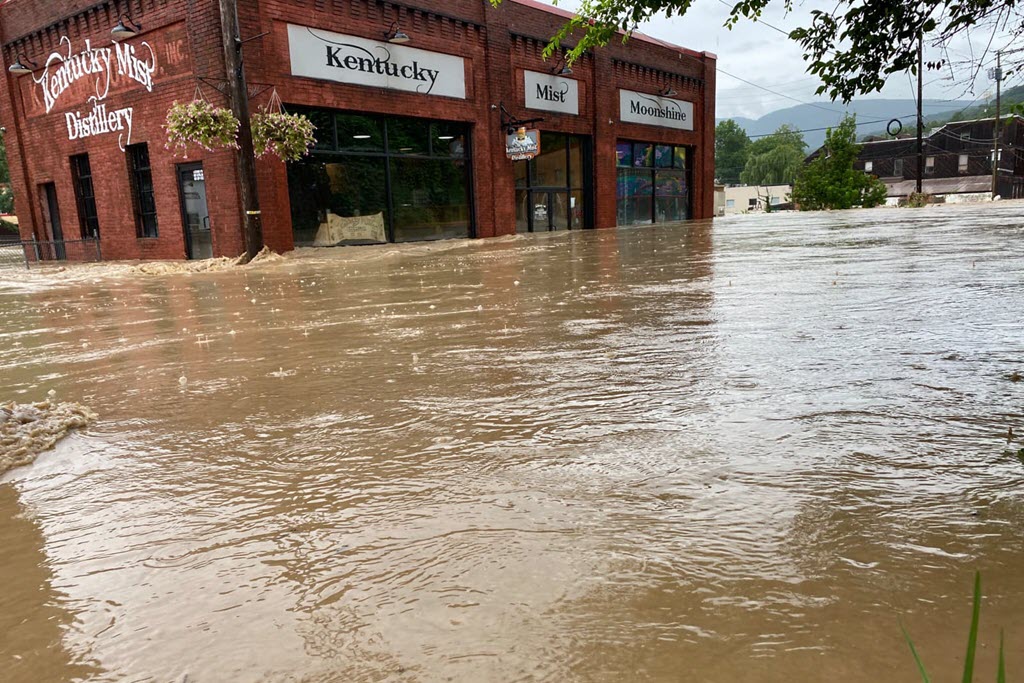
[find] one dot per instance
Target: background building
(753, 198)
(410, 134)
(957, 161)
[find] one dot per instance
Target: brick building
(413, 103)
(957, 161)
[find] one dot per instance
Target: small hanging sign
(523, 145)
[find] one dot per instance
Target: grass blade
(1001, 676)
(913, 651)
(972, 637)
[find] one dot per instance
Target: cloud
(757, 53)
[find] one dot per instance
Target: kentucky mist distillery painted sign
(98, 64)
(358, 61)
(638, 107)
(552, 93)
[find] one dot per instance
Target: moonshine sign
(98, 64)
(637, 107)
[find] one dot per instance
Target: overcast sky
(755, 52)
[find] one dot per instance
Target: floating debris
(28, 429)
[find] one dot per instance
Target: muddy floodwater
(733, 452)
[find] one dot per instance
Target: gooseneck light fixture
(19, 68)
(669, 92)
(562, 68)
(396, 36)
(122, 32)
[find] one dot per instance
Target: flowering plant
(200, 123)
(289, 136)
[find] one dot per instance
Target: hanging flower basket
(202, 124)
(289, 136)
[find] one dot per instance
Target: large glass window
(551, 189)
(653, 183)
(85, 195)
(141, 177)
(377, 179)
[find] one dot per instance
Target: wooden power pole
(238, 93)
(920, 118)
(997, 74)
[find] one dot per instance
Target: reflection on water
(728, 454)
(33, 614)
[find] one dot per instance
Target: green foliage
(732, 146)
(6, 200)
(5, 174)
(830, 180)
(916, 200)
(774, 159)
(289, 136)
(853, 46)
(202, 124)
(972, 643)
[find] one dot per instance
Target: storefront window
(624, 154)
(430, 199)
(654, 187)
(552, 190)
(381, 179)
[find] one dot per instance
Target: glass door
(552, 190)
(194, 212)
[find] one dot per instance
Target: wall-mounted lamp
(669, 92)
(396, 36)
(562, 68)
(19, 67)
(122, 32)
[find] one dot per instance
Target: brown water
(728, 453)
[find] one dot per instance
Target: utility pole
(238, 93)
(997, 74)
(920, 119)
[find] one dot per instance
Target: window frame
(136, 175)
(88, 212)
(684, 165)
(437, 129)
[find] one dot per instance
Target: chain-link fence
(12, 255)
(35, 252)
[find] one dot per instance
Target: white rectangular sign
(638, 107)
(552, 93)
(348, 59)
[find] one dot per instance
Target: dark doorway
(51, 215)
(194, 212)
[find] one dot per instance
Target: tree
(6, 195)
(775, 159)
(5, 176)
(854, 46)
(731, 150)
(830, 181)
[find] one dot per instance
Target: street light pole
(238, 93)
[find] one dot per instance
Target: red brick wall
(186, 39)
(496, 44)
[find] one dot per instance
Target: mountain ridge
(813, 119)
